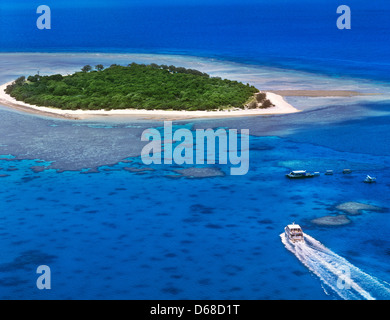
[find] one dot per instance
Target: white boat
(369, 179)
(329, 172)
(294, 233)
(346, 171)
(299, 174)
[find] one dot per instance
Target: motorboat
(294, 233)
(347, 171)
(299, 174)
(369, 179)
(329, 172)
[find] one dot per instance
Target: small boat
(316, 174)
(329, 172)
(369, 179)
(294, 233)
(299, 174)
(347, 171)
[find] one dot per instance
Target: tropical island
(136, 86)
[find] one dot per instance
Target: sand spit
(321, 93)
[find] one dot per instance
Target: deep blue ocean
(296, 34)
(119, 233)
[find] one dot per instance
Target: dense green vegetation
(136, 86)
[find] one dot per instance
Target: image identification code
(207, 309)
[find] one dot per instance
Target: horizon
(69, 4)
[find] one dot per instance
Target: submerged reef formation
(356, 208)
(339, 220)
(193, 173)
(350, 208)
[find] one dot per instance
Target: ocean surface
(74, 195)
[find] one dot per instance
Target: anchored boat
(370, 179)
(299, 174)
(294, 233)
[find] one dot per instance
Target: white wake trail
(335, 272)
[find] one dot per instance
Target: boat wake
(336, 273)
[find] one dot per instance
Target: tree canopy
(135, 86)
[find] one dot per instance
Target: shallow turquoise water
(118, 234)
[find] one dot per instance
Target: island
(139, 89)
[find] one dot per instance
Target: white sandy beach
(281, 107)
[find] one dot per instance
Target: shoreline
(280, 107)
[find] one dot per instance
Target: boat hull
(299, 177)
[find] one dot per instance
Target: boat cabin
(294, 233)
